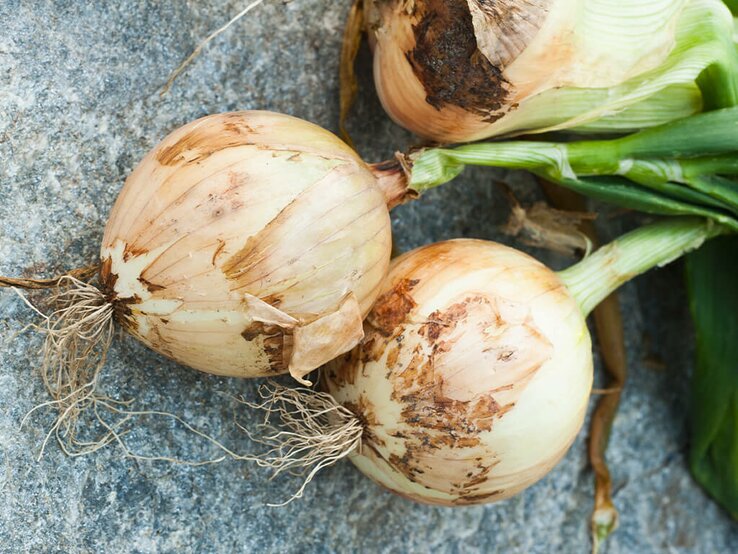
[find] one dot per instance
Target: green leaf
(707, 133)
(712, 277)
(626, 194)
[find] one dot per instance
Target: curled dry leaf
(546, 227)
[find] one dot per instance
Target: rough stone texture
(79, 105)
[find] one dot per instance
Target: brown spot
(157, 342)
(218, 250)
(448, 63)
(394, 353)
(108, 278)
(273, 299)
(121, 306)
(123, 313)
(436, 420)
(204, 140)
(366, 414)
(151, 286)
(274, 343)
(392, 307)
(405, 465)
(444, 321)
(478, 498)
(131, 251)
(343, 370)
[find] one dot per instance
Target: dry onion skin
(247, 244)
(464, 70)
(475, 370)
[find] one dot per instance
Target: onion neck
(393, 179)
(597, 276)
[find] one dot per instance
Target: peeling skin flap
(326, 338)
(264, 312)
(504, 29)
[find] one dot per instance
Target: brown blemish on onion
(366, 414)
(273, 300)
(444, 321)
(343, 370)
(108, 278)
(123, 313)
(130, 251)
(218, 250)
(434, 419)
(151, 287)
(273, 342)
(392, 355)
(121, 306)
(392, 308)
(478, 498)
(203, 141)
(447, 61)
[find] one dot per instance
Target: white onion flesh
(247, 244)
(473, 377)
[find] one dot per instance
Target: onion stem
(597, 276)
(684, 168)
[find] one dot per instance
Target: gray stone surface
(79, 105)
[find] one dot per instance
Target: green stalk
(720, 188)
(597, 276)
(666, 170)
(669, 176)
(709, 134)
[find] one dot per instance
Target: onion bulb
(247, 244)
(463, 70)
(473, 377)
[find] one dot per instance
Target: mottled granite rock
(79, 105)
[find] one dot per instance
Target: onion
(247, 244)
(463, 70)
(474, 374)
(473, 377)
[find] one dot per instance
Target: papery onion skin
(473, 377)
(247, 244)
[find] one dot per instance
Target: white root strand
(313, 432)
(78, 334)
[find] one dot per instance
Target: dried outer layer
(444, 59)
(247, 244)
(473, 376)
(459, 70)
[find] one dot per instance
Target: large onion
(473, 378)
(247, 244)
(462, 70)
